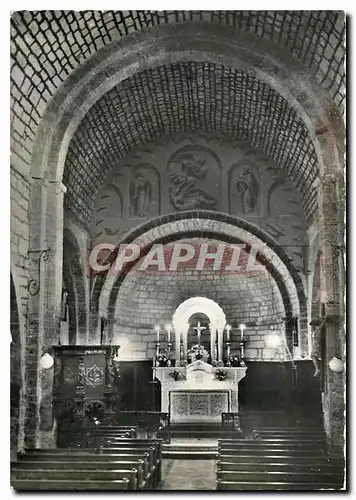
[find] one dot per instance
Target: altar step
(193, 450)
(196, 431)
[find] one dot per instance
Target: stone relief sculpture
(140, 195)
(244, 189)
(248, 187)
(144, 192)
(193, 176)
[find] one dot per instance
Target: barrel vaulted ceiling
(47, 46)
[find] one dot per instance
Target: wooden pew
(271, 457)
(277, 452)
(281, 466)
(140, 444)
(92, 436)
(271, 444)
(139, 465)
(101, 454)
(151, 457)
(277, 477)
(80, 475)
(270, 486)
(85, 458)
(69, 485)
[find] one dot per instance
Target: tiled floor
(188, 475)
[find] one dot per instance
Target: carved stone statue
(184, 193)
(140, 195)
(248, 187)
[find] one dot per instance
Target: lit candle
(228, 328)
(169, 329)
(157, 331)
(242, 328)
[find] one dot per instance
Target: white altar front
(193, 393)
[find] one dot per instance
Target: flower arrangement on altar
(234, 359)
(162, 358)
(221, 374)
(197, 352)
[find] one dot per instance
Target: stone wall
(20, 194)
(150, 297)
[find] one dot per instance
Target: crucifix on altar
(199, 329)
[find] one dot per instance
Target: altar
(200, 376)
(199, 392)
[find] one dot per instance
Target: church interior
(177, 250)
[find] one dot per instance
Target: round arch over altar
(198, 305)
(196, 390)
(206, 306)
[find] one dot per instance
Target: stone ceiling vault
(182, 97)
(48, 46)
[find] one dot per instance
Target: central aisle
(188, 475)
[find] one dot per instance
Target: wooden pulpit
(85, 384)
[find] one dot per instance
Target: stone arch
(271, 269)
(231, 229)
(157, 228)
(198, 305)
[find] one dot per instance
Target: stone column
(331, 222)
(220, 345)
(46, 229)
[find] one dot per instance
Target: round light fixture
(46, 361)
(336, 365)
(273, 341)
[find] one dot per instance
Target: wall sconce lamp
(46, 361)
(336, 365)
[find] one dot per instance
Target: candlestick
(169, 348)
(157, 353)
(157, 331)
(228, 328)
(242, 328)
(169, 329)
(228, 352)
(242, 350)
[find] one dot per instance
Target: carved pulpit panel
(84, 379)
